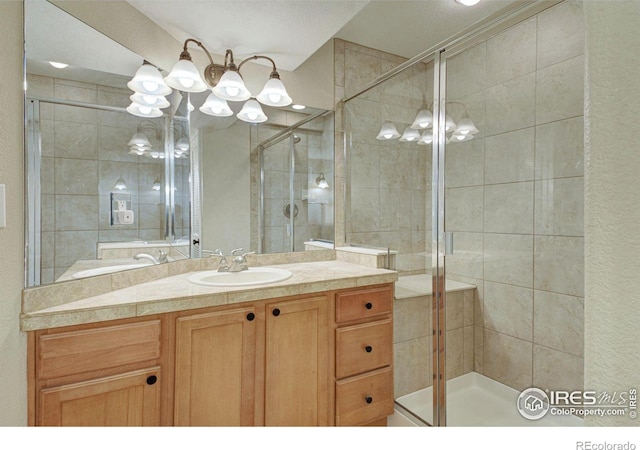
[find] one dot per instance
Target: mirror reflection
(110, 190)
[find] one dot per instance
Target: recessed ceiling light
(58, 65)
(298, 106)
(468, 2)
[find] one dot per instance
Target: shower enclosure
(468, 161)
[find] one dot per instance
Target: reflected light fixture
(120, 184)
(423, 120)
(468, 2)
(149, 91)
(156, 185)
(410, 135)
(387, 131)
(298, 107)
(321, 181)
(426, 139)
(226, 84)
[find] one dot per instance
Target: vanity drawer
(364, 347)
(364, 398)
(362, 304)
(75, 352)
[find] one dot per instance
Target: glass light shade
(139, 140)
(274, 94)
(387, 131)
(185, 77)
(410, 135)
(215, 106)
(153, 101)
(137, 151)
(466, 126)
(182, 145)
(426, 139)
(449, 124)
(120, 185)
(456, 137)
(251, 112)
(156, 185)
(148, 80)
(231, 87)
(423, 120)
(143, 111)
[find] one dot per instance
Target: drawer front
(364, 398)
(364, 303)
(99, 348)
(360, 348)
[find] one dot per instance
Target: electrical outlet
(122, 205)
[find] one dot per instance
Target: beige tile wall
(84, 152)
(515, 198)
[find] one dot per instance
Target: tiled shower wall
(387, 182)
(84, 152)
(515, 198)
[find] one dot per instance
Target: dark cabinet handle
(151, 380)
(368, 349)
(251, 316)
(368, 399)
(369, 305)
(276, 312)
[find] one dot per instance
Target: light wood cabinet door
(215, 369)
(297, 363)
(129, 399)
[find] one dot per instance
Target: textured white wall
(612, 185)
(13, 362)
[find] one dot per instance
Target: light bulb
(187, 82)
(145, 109)
(232, 91)
(150, 86)
(388, 135)
(150, 99)
(217, 109)
(275, 98)
(252, 116)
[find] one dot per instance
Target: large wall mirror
(95, 201)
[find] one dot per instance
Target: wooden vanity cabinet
(98, 375)
(263, 364)
(364, 356)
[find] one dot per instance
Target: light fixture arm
(274, 72)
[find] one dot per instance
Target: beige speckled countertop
(176, 293)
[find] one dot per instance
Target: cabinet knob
(251, 316)
(368, 399)
(276, 312)
(151, 380)
(368, 349)
(369, 305)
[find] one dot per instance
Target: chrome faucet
(239, 262)
(162, 257)
(223, 265)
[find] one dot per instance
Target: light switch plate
(3, 208)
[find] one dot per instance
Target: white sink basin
(107, 269)
(251, 277)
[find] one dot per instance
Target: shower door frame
(478, 32)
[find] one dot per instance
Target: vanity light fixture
(149, 91)
(426, 138)
(321, 181)
(387, 132)
(226, 84)
(410, 135)
(120, 184)
(423, 120)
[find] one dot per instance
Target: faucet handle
(162, 256)
(237, 251)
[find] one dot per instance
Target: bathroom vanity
(313, 350)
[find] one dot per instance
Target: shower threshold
(475, 400)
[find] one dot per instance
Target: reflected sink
(107, 269)
(251, 277)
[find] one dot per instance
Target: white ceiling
(289, 31)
